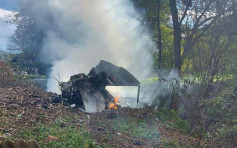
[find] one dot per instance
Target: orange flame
(112, 105)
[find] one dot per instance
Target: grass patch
(150, 80)
(171, 118)
(136, 128)
(31, 77)
(68, 136)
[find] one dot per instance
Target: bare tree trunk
(159, 34)
(177, 34)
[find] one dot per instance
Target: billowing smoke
(88, 31)
(80, 33)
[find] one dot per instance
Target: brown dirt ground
(24, 107)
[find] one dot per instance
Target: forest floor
(26, 113)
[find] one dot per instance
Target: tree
(29, 37)
(159, 33)
(197, 17)
(156, 17)
(177, 34)
(177, 29)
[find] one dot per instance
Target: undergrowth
(171, 118)
(220, 115)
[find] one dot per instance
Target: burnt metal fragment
(89, 90)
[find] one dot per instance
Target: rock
(101, 129)
(119, 134)
(44, 105)
(73, 106)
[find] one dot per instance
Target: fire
(112, 105)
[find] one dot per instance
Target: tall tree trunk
(177, 34)
(159, 34)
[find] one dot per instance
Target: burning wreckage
(88, 91)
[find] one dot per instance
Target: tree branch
(185, 12)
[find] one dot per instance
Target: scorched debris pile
(88, 91)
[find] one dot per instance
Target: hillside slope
(26, 113)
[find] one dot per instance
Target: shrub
(7, 77)
(6, 74)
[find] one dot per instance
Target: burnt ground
(26, 107)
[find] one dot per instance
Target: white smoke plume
(80, 33)
(88, 31)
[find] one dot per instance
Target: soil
(23, 107)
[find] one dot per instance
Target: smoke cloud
(80, 33)
(87, 31)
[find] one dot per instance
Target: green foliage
(167, 46)
(220, 113)
(22, 63)
(7, 77)
(220, 104)
(150, 12)
(68, 136)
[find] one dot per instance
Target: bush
(6, 74)
(7, 77)
(219, 115)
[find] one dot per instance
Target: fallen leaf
(51, 138)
